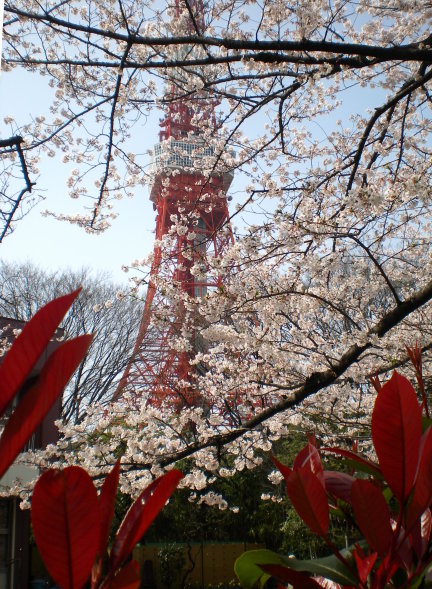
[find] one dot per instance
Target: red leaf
(426, 526)
(396, 433)
(376, 383)
(385, 571)
(309, 499)
(141, 515)
(310, 458)
(65, 519)
(372, 515)
(29, 345)
(422, 495)
(38, 400)
(284, 470)
(415, 355)
(421, 533)
(368, 464)
(288, 576)
(127, 578)
(338, 484)
(107, 497)
(364, 562)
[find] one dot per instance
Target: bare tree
(102, 308)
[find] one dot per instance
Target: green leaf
(361, 467)
(250, 575)
(388, 495)
(247, 568)
(337, 512)
(418, 582)
(329, 567)
(426, 423)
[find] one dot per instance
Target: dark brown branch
(420, 51)
(379, 268)
(15, 144)
(401, 147)
(11, 141)
(407, 88)
(312, 295)
(110, 137)
(315, 383)
(384, 369)
(259, 56)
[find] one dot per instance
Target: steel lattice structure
(156, 371)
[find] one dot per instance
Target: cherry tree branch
(11, 204)
(420, 51)
(314, 383)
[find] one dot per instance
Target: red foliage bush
(71, 521)
(387, 500)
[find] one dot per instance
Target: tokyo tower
(180, 191)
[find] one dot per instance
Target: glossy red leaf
(403, 550)
(372, 515)
(284, 470)
(385, 571)
(29, 345)
(422, 495)
(65, 519)
(38, 400)
(338, 484)
(396, 433)
(286, 576)
(141, 515)
(310, 458)
(107, 497)
(309, 499)
(415, 538)
(415, 355)
(426, 526)
(327, 584)
(420, 534)
(127, 578)
(364, 563)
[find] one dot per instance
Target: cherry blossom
(323, 117)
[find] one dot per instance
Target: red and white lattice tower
(157, 372)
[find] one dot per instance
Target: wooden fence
(205, 565)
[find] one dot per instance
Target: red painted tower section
(156, 371)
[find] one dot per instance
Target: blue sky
(52, 244)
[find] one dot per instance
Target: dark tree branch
(115, 98)
(8, 215)
(421, 51)
(313, 384)
(407, 88)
